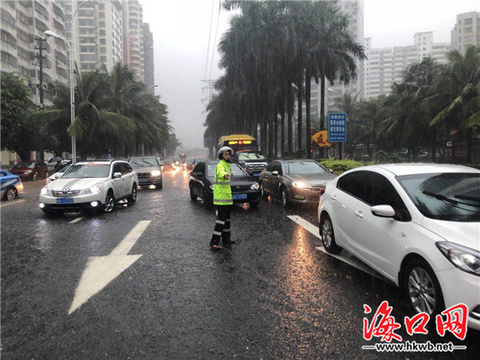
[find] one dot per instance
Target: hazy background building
(133, 37)
(387, 65)
(466, 31)
(148, 58)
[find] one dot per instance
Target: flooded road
(142, 283)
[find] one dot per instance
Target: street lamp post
(50, 33)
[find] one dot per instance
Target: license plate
(64, 201)
(142, 180)
(256, 174)
(239, 196)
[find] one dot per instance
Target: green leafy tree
(18, 131)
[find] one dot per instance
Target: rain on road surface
(153, 289)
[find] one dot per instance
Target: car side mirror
(57, 176)
(383, 211)
(117, 175)
(331, 170)
(275, 172)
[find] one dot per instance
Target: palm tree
(462, 111)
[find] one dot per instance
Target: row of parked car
(416, 224)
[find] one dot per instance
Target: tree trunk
(282, 131)
(290, 120)
(299, 97)
(307, 103)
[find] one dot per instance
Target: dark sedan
(294, 181)
(149, 171)
(30, 170)
(244, 187)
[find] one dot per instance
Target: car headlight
(463, 257)
(92, 190)
(44, 190)
(255, 186)
(156, 173)
(300, 184)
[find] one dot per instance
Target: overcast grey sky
(181, 31)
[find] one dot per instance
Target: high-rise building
(133, 37)
(22, 27)
(98, 32)
(466, 31)
(387, 65)
(148, 58)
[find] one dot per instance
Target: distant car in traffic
(169, 163)
(253, 162)
(244, 187)
(149, 171)
(11, 186)
(189, 164)
(416, 224)
(30, 170)
(95, 185)
(294, 181)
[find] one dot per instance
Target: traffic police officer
(222, 199)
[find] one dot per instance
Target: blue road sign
(337, 127)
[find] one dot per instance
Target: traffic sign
(337, 127)
(321, 138)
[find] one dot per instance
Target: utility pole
(209, 87)
(41, 57)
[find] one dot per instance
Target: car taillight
(322, 189)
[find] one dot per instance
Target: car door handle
(334, 197)
(359, 214)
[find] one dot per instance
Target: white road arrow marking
(101, 270)
(345, 256)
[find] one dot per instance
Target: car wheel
(133, 196)
(34, 176)
(284, 198)
(262, 192)
(423, 288)
(208, 204)
(109, 203)
(328, 236)
(10, 194)
(193, 197)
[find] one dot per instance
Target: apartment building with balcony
(133, 55)
(98, 31)
(466, 31)
(23, 23)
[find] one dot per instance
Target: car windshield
(143, 162)
(235, 170)
(25, 164)
(450, 197)
(303, 167)
(87, 171)
(250, 156)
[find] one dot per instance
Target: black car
(253, 162)
(149, 171)
(294, 181)
(244, 187)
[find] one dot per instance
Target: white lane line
(101, 270)
(76, 220)
(345, 256)
(14, 202)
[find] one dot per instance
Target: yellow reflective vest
(222, 192)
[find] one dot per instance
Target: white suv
(94, 185)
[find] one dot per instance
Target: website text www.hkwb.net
(413, 346)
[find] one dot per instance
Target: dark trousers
(222, 225)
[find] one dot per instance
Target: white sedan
(416, 224)
(94, 185)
